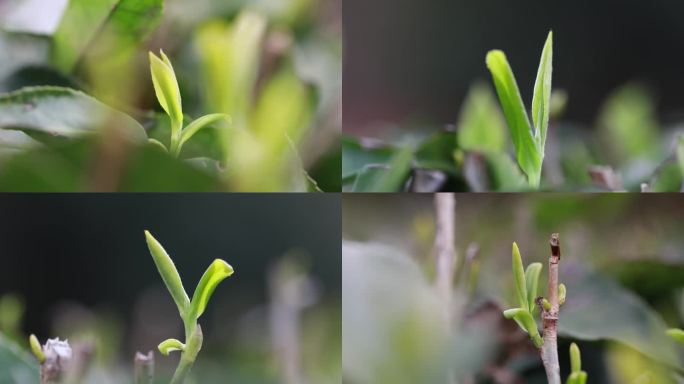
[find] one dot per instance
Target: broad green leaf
(170, 345)
(62, 112)
(216, 273)
(18, 366)
(106, 27)
(519, 278)
(541, 100)
(526, 151)
(676, 334)
(437, 152)
(365, 179)
(166, 89)
(356, 156)
(168, 273)
(532, 281)
(200, 123)
(481, 126)
(397, 172)
(596, 298)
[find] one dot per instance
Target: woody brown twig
(549, 350)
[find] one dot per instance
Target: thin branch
(445, 254)
(549, 350)
(144, 368)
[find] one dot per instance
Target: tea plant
(189, 310)
(168, 95)
(529, 140)
(526, 283)
(577, 375)
(58, 363)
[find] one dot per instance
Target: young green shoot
(577, 375)
(168, 94)
(528, 139)
(526, 285)
(189, 310)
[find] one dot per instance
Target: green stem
(193, 344)
(175, 146)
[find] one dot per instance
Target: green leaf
(596, 298)
(200, 123)
(103, 29)
(526, 151)
(519, 278)
(170, 345)
(217, 272)
(562, 293)
(166, 89)
(575, 358)
(18, 366)
(36, 348)
(532, 282)
(356, 156)
(397, 172)
(169, 274)
(481, 126)
(676, 334)
(437, 152)
(526, 322)
(541, 100)
(48, 112)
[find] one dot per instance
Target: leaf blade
(215, 273)
(532, 282)
(519, 277)
(541, 100)
(169, 273)
(515, 113)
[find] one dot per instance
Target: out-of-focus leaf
(62, 112)
(680, 153)
(34, 76)
(102, 28)
(668, 178)
(516, 116)
(397, 171)
(18, 366)
(365, 179)
(18, 51)
(676, 334)
(437, 152)
(600, 309)
(541, 100)
(13, 142)
(356, 156)
(650, 279)
(506, 175)
(72, 166)
(36, 17)
(629, 125)
(481, 126)
(400, 341)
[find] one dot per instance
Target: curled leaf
(519, 277)
(158, 144)
(169, 273)
(169, 345)
(217, 271)
(532, 282)
(36, 348)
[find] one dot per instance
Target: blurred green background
(622, 263)
(80, 269)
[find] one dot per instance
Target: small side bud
(575, 358)
(546, 305)
(170, 345)
(562, 292)
(36, 348)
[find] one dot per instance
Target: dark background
(408, 60)
(90, 249)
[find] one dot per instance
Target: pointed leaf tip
(169, 273)
(519, 277)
